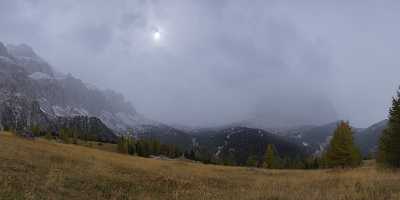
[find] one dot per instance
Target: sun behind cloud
(156, 36)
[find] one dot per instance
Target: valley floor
(41, 169)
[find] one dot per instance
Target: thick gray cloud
(218, 62)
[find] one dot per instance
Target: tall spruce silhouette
(341, 151)
(389, 143)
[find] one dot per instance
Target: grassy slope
(47, 170)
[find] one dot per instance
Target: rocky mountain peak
(27, 74)
(21, 50)
(26, 57)
(3, 49)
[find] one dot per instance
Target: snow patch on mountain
(90, 86)
(69, 111)
(121, 121)
(40, 76)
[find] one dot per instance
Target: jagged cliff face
(32, 93)
(27, 58)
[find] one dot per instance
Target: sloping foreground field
(43, 169)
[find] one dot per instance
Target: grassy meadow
(41, 169)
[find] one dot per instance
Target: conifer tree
(270, 158)
(341, 151)
(156, 147)
(123, 145)
(131, 146)
(149, 147)
(74, 137)
(389, 143)
(36, 130)
(141, 148)
(64, 135)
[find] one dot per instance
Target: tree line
(146, 147)
(271, 159)
(341, 152)
(65, 135)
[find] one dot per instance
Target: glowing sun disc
(156, 36)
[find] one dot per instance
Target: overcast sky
(216, 62)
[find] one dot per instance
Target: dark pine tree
(36, 131)
(271, 159)
(389, 144)
(123, 145)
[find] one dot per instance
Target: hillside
(39, 169)
(367, 140)
(317, 137)
(240, 143)
(32, 93)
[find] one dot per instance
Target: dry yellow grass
(43, 169)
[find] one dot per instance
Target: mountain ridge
(28, 82)
(33, 93)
